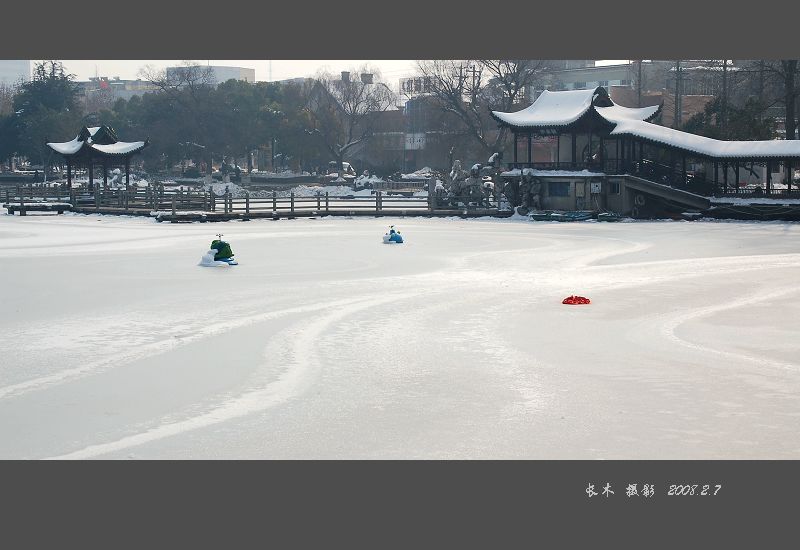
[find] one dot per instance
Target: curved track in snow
(324, 343)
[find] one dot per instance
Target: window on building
(613, 188)
(625, 82)
(558, 188)
(603, 83)
(579, 86)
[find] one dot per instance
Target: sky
(280, 69)
(390, 70)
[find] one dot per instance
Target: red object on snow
(576, 300)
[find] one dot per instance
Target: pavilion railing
(609, 166)
(698, 183)
(693, 182)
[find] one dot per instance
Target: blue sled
(393, 238)
(229, 261)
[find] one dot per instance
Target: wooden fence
(161, 201)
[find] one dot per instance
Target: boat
(570, 216)
(609, 217)
(392, 236)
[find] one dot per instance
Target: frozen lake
(325, 343)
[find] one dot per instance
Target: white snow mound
(208, 260)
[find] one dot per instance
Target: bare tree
(778, 84)
(787, 73)
(6, 98)
(189, 87)
(189, 76)
(469, 88)
(343, 110)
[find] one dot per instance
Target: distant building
(99, 93)
(562, 64)
(571, 75)
(410, 87)
(417, 135)
(218, 74)
(115, 87)
(14, 71)
(299, 81)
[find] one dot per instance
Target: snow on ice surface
(688, 350)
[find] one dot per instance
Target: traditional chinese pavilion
(97, 146)
(584, 131)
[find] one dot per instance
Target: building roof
(99, 140)
(705, 146)
(562, 109)
(554, 109)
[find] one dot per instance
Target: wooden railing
(668, 175)
(143, 201)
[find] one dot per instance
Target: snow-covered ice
(325, 343)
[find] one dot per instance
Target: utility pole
(639, 85)
(474, 76)
(724, 109)
(678, 106)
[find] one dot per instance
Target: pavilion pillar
(558, 151)
(69, 173)
(530, 154)
(516, 143)
(621, 155)
(589, 150)
(769, 176)
(574, 150)
(91, 174)
(683, 168)
(641, 151)
(738, 178)
(600, 154)
(725, 176)
(127, 171)
(672, 166)
(789, 175)
(716, 175)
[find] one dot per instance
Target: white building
(12, 71)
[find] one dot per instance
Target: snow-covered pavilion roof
(709, 147)
(101, 140)
(618, 113)
(563, 108)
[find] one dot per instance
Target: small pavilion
(97, 146)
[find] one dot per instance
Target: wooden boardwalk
(190, 205)
(37, 206)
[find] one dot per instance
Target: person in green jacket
(223, 249)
